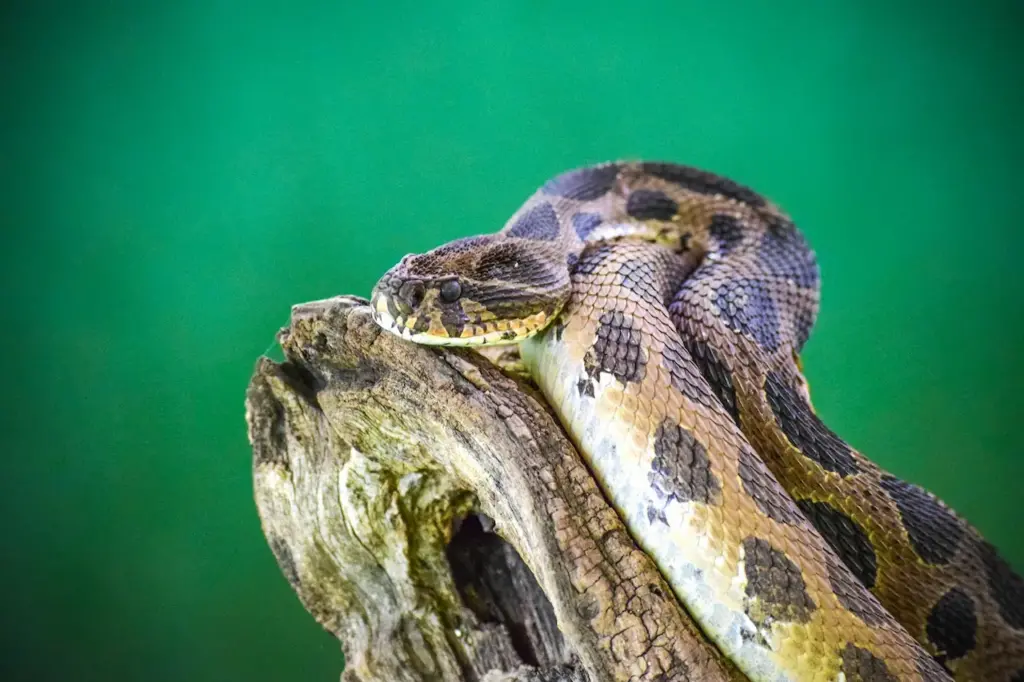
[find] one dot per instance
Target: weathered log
(432, 515)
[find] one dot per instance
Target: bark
(432, 515)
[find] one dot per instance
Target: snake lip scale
(661, 309)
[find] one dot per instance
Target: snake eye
(450, 291)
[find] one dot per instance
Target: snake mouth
(429, 329)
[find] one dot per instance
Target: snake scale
(661, 310)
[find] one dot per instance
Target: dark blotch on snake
(537, 222)
(934, 530)
(703, 182)
(585, 184)
(646, 204)
(715, 372)
(768, 495)
(952, 625)
(847, 538)
(860, 665)
(852, 594)
(790, 271)
(785, 254)
(681, 469)
(452, 322)
(684, 374)
(727, 230)
(618, 349)
(585, 223)
(775, 582)
(746, 306)
(805, 431)
(1005, 586)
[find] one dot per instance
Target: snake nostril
(411, 294)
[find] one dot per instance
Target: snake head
(490, 289)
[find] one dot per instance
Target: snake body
(661, 309)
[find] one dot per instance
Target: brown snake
(661, 310)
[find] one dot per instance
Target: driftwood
(432, 515)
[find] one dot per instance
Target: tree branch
(431, 514)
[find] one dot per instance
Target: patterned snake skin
(661, 309)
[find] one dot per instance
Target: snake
(661, 309)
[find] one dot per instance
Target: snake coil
(661, 310)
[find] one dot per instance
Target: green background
(176, 175)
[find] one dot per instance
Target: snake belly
(677, 377)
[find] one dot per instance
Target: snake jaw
(492, 333)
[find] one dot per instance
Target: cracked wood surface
(431, 514)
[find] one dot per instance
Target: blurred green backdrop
(176, 175)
